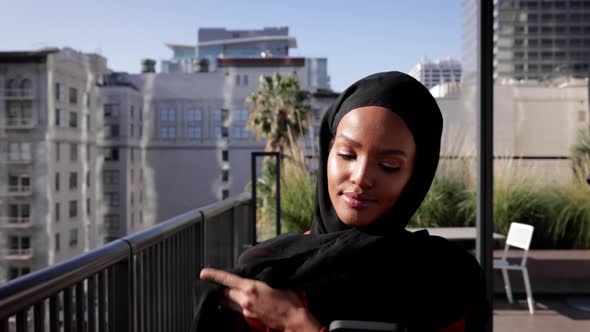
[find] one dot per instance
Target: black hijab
(380, 272)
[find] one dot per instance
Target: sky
(357, 37)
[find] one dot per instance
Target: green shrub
(297, 195)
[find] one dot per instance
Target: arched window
(25, 87)
(10, 88)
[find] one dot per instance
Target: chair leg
(507, 286)
(529, 292)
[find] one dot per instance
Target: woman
(379, 149)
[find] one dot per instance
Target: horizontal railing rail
(142, 282)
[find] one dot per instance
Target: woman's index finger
(222, 277)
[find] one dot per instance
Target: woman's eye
(346, 156)
(389, 168)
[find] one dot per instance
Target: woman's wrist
(301, 320)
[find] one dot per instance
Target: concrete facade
(47, 157)
(187, 114)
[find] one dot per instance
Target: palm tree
(279, 108)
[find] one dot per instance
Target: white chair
(519, 236)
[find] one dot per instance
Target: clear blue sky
(357, 37)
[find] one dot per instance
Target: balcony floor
(552, 313)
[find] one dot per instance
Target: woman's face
(370, 162)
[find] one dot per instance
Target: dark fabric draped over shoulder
(380, 272)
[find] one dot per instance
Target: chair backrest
(520, 235)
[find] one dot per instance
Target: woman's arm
(278, 309)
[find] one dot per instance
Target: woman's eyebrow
(350, 140)
(384, 151)
(393, 151)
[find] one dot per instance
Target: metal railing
(18, 253)
(20, 123)
(142, 282)
(20, 190)
(16, 92)
(15, 222)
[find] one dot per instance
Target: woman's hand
(278, 309)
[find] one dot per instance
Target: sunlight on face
(370, 163)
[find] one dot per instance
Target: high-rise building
(48, 152)
(541, 40)
(431, 73)
(220, 43)
(73, 172)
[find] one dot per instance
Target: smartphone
(364, 326)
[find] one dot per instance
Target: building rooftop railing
(142, 282)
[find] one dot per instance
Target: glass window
(73, 120)
(240, 114)
(73, 209)
(73, 96)
(110, 177)
(73, 152)
(56, 181)
(167, 132)
(57, 244)
(112, 110)
(73, 237)
(112, 131)
(59, 118)
(57, 212)
(73, 180)
(59, 91)
(112, 154)
(111, 222)
(57, 151)
(112, 199)
(193, 132)
(217, 115)
(168, 114)
(193, 115)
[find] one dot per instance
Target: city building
(434, 72)
(48, 152)
(220, 43)
(197, 143)
(541, 40)
(126, 204)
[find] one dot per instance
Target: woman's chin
(354, 220)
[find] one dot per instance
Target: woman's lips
(356, 200)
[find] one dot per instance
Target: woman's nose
(361, 175)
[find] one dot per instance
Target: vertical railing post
(253, 186)
(278, 195)
(278, 157)
(122, 291)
